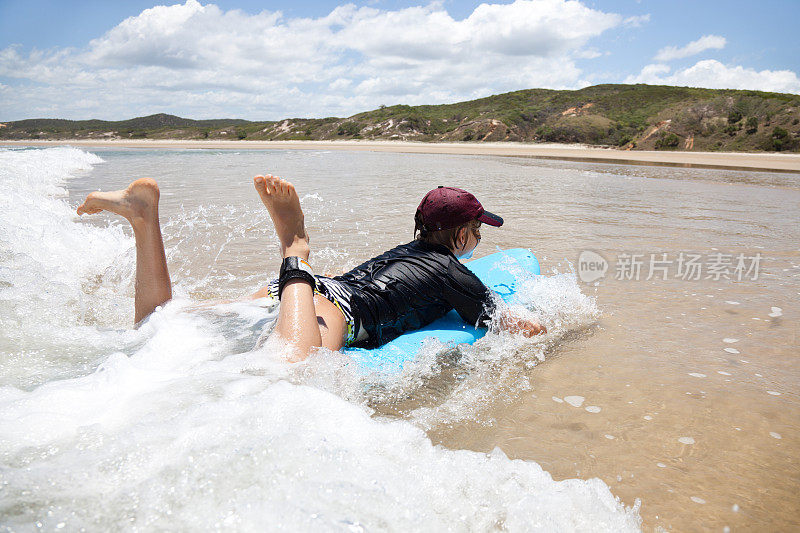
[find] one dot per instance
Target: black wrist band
(295, 268)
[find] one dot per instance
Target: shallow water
(184, 423)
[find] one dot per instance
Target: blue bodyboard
(499, 271)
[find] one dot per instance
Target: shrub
(241, 134)
(348, 128)
(779, 133)
(780, 140)
(667, 141)
(624, 140)
(751, 125)
(734, 116)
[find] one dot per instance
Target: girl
(401, 290)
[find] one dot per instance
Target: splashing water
(183, 424)
(59, 280)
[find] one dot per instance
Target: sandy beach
(569, 152)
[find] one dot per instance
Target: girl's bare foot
(283, 204)
(139, 202)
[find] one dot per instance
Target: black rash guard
(412, 285)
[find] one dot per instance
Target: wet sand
(566, 152)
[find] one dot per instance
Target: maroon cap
(448, 207)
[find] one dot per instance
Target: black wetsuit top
(412, 285)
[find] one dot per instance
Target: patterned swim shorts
(338, 294)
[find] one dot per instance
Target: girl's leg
(303, 320)
(139, 205)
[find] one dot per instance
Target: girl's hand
(527, 328)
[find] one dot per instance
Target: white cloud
(200, 61)
(706, 42)
(589, 53)
(637, 21)
(714, 75)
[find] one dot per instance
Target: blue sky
(270, 60)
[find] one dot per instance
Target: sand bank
(569, 152)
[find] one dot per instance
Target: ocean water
(655, 401)
(186, 423)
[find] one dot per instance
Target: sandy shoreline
(727, 160)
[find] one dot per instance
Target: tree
(751, 126)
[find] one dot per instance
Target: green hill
(624, 116)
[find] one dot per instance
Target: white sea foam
(574, 401)
(497, 366)
(59, 279)
(686, 440)
(182, 425)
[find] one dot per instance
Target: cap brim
(491, 219)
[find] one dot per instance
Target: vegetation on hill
(624, 116)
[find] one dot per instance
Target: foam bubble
(730, 340)
(593, 409)
(774, 435)
(731, 350)
(574, 401)
(557, 399)
(695, 499)
(731, 302)
(686, 440)
(697, 375)
(661, 465)
(775, 312)
(609, 437)
(773, 393)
